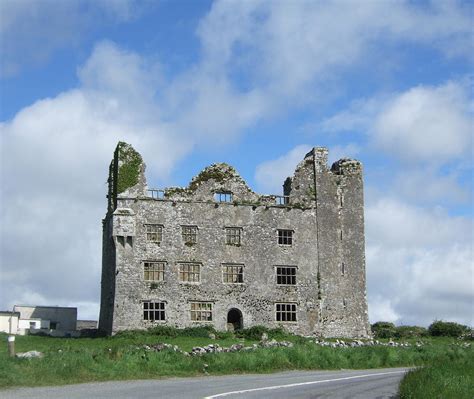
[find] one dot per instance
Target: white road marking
(220, 395)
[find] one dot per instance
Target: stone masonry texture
(324, 213)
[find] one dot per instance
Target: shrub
(410, 332)
(383, 329)
(447, 329)
(255, 333)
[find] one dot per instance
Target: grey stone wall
(325, 213)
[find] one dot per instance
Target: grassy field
(121, 357)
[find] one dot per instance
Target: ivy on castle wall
(130, 162)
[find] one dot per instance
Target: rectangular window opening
(233, 274)
(233, 235)
(223, 196)
(286, 275)
(154, 311)
(285, 237)
(201, 311)
(153, 271)
(285, 312)
(190, 272)
(154, 233)
(189, 234)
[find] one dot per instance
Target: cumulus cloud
(430, 187)
(30, 30)
(55, 156)
(427, 123)
(431, 124)
(419, 260)
(288, 45)
(271, 174)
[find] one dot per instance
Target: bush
(255, 333)
(447, 329)
(383, 329)
(410, 332)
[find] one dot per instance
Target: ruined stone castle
(216, 253)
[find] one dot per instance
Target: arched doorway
(234, 320)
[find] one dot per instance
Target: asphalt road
(353, 384)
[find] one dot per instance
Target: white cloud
(55, 157)
(288, 45)
(419, 264)
(424, 185)
(423, 124)
(337, 152)
(426, 123)
(381, 309)
(270, 175)
(31, 30)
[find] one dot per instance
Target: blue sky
(254, 84)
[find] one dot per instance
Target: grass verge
(122, 357)
(448, 377)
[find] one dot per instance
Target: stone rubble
(216, 348)
(29, 355)
(338, 343)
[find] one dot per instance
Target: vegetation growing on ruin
(218, 172)
(171, 191)
(130, 163)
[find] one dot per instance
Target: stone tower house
(216, 253)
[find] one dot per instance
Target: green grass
(69, 360)
(448, 377)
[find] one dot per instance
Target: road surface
(353, 384)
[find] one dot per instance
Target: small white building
(9, 322)
(51, 320)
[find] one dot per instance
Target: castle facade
(216, 253)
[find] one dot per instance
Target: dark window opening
(285, 237)
(286, 312)
(286, 275)
(153, 311)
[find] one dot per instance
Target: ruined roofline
(127, 180)
(222, 171)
